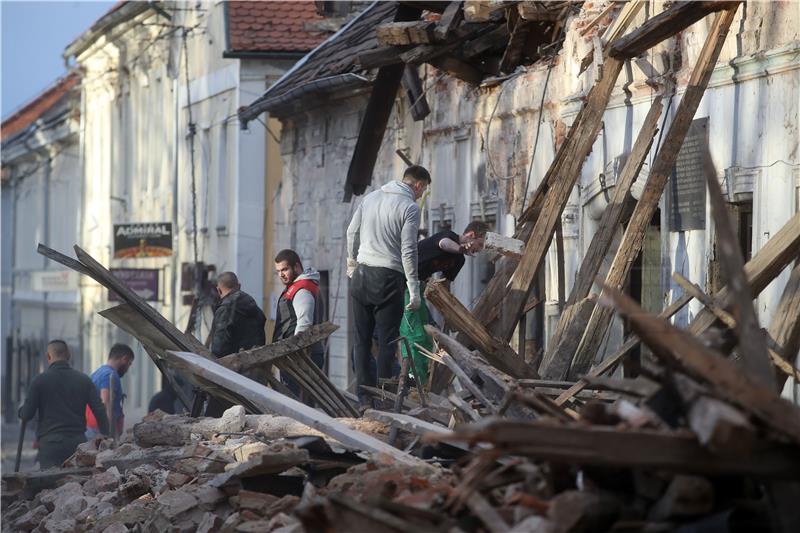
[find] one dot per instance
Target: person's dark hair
(290, 256)
(119, 350)
(417, 173)
(58, 349)
(228, 280)
(479, 227)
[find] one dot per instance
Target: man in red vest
(299, 306)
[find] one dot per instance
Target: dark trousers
(376, 295)
(54, 449)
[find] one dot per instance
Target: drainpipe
(48, 169)
(81, 220)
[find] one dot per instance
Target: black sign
(142, 281)
(687, 200)
(142, 240)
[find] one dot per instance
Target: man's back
(60, 395)
(238, 324)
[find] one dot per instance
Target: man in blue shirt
(107, 381)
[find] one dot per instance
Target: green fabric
(413, 328)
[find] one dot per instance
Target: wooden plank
(557, 368)
(265, 355)
(382, 57)
(497, 38)
(677, 347)
(607, 227)
(624, 19)
(376, 117)
(458, 69)
(611, 362)
(404, 33)
(752, 343)
(556, 199)
(464, 407)
(497, 352)
(495, 384)
(467, 383)
(785, 325)
(415, 93)
(677, 451)
(451, 17)
(603, 14)
(269, 400)
(664, 25)
(767, 263)
(660, 172)
(695, 291)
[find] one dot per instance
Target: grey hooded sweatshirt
(383, 231)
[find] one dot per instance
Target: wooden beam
(664, 25)
(381, 57)
(557, 368)
(404, 33)
(602, 239)
(495, 39)
(415, 94)
(611, 362)
(264, 355)
(516, 44)
(457, 68)
(677, 451)
(556, 199)
(269, 400)
(451, 17)
(376, 117)
(660, 172)
(677, 347)
(497, 352)
(785, 325)
(767, 263)
(752, 343)
(467, 383)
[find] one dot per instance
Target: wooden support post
(415, 93)
(785, 326)
(556, 199)
(633, 238)
(496, 351)
(609, 223)
(678, 347)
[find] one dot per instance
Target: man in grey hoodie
(382, 262)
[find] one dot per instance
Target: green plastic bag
(413, 328)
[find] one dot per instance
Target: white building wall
(477, 143)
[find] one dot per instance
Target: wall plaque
(687, 198)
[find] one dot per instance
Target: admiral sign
(142, 240)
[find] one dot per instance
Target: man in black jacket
(60, 396)
(238, 325)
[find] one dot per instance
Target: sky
(34, 35)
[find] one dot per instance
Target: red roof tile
(37, 107)
(273, 26)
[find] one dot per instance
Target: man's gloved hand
(414, 300)
(351, 267)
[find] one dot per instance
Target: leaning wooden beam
(677, 451)
(556, 198)
(611, 362)
(665, 25)
(679, 348)
(752, 344)
(269, 400)
(376, 117)
(415, 93)
(555, 367)
(661, 170)
(785, 326)
(767, 263)
(264, 355)
(602, 239)
(496, 351)
(467, 383)
(495, 384)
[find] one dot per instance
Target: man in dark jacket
(60, 396)
(238, 325)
